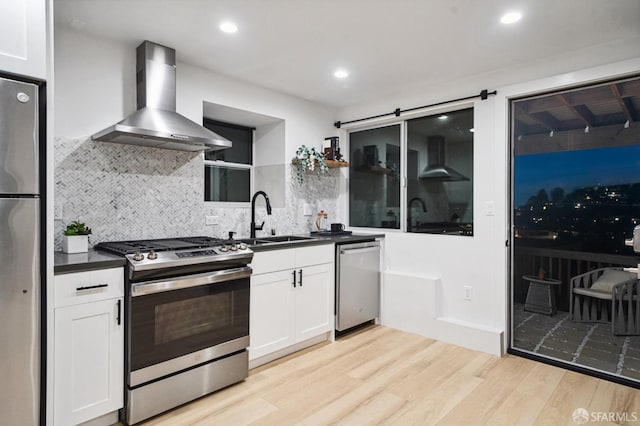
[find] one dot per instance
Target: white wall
(95, 88)
(95, 82)
(439, 266)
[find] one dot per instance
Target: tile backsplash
(129, 192)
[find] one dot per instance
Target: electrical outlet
(57, 211)
(468, 293)
(210, 220)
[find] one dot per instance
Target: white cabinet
(88, 345)
(292, 297)
(314, 301)
(23, 37)
(271, 321)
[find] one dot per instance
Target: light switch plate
(489, 208)
(210, 220)
(306, 209)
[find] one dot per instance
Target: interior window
(438, 169)
(228, 171)
(374, 178)
(440, 173)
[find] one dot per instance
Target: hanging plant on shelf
(308, 160)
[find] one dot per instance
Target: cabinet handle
(91, 287)
(294, 278)
(119, 317)
(300, 277)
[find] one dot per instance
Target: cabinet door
(89, 361)
(271, 322)
(314, 301)
(23, 32)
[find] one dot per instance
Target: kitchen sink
(285, 239)
(253, 241)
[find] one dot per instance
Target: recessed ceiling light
(228, 27)
(341, 74)
(443, 117)
(511, 17)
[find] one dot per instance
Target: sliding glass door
(575, 199)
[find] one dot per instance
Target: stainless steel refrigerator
(20, 254)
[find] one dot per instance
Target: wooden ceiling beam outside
(627, 107)
(630, 88)
(522, 128)
(594, 95)
(547, 120)
(582, 112)
(572, 140)
(600, 106)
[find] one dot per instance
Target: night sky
(574, 169)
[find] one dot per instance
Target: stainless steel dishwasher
(357, 284)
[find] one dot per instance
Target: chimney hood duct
(156, 122)
(436, 169)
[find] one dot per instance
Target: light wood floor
(385, 376)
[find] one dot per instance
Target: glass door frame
(511, 349)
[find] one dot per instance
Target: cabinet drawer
(314, 255)
(88, 286)
(273, 260)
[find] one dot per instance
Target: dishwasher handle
(347, 252)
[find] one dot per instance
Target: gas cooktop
(166, 244)
(174, 252)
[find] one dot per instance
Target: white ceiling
(294, 46)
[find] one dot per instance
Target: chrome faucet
(424, 209)
(255, 228)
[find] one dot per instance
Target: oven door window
(170, 324)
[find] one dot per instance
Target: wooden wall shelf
(332, 164)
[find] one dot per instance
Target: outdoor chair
(607, 295)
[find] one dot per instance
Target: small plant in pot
(76, 238)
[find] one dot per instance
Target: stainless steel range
(187, 316)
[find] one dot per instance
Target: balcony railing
(561, 265)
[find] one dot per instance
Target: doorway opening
(575, 199)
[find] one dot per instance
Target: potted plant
(307, 160)
(76, 238)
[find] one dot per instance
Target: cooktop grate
(158, 245)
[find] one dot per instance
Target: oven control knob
(224, 248)
(152, 255)
(138, 256)
(242, 246)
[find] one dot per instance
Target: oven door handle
(159, 286)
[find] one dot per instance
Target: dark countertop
(66, 263)
(78, 262)
(317, 240)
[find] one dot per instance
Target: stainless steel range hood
(156, 122)
(436, 168)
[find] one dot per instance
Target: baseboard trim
(253, 363)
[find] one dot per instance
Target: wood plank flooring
(385, 376)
